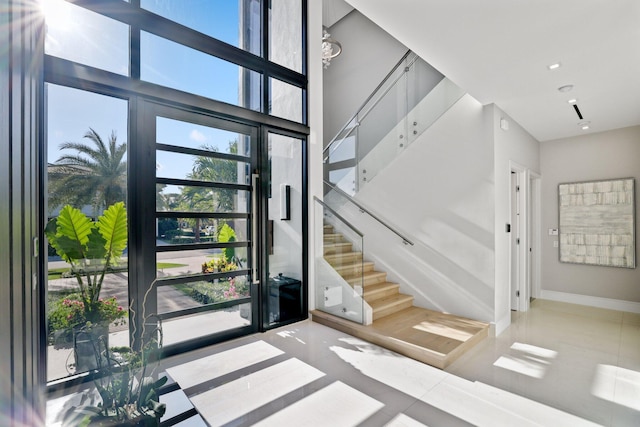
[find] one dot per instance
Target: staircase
(383, 297)
(428, 336)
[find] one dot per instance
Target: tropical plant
(226, 234)
(68, 313)
(96, 174)
(127, 383)
(91, 248)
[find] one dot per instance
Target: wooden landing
(436, 339)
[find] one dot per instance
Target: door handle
(254, 228)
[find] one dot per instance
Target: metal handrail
(405, 240)
(369, 98)
(337, 215)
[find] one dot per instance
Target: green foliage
(126, 382)
(92, 174)
(223, 290)
(226, 234)
(69, 312)
(91, 248)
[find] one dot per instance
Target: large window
(86, 174)
(184, 186)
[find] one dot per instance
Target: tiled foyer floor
(557, 365)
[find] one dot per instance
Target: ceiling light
(330, 48)
(572, 101)
(565, 88)
(554, 66)
(584, 125)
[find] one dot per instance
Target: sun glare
(56, 13)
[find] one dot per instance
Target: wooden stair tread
(365, 266)
(373, 292)
(343, 258)
(378, 304)
(434, 338)
(367, 277)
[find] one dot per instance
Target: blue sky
(82, 36)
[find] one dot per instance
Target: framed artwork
(597, 223)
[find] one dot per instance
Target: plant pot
(89, 345)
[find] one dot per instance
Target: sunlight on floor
(531, 362)
(234, 399)
(219, 364)
(618, 385)
(401, 420)
(335, 404)
(442, 330)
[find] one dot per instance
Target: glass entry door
(197, 263)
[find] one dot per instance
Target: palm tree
(95, 175)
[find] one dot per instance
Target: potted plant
(91, 248)
(127, 385)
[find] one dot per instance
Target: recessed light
(572, 101)
(565, 88)
(584, 125)
(554, 66)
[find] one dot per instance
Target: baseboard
(612, 304)
(501, 325)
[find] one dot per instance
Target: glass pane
(206, 323)
(78, 122)
(233, 22)
(170, 198)
(179, 67)
(191, 135)
(203, 292)
(285, 228)
(79, 35)
(285, 38)
(201, 168)
(286, 100)
(187, 263)
(172, 231)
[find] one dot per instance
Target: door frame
(518, 258)
(142, 194)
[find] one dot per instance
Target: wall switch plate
(555, 243)
(553, 232)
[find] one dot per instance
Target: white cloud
(197, 136)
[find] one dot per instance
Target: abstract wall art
(597, 223)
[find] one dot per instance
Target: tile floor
(557, 365)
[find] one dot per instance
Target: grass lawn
(56, 273)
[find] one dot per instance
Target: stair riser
(372, 296)
(377, 314)
(344, 259)
(334, 239)
(371, 280)
(341, 249)
(350, 270)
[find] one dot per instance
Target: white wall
(353, 75)
(440, 191)
(514, 145)
(314, 157)
(605, 155)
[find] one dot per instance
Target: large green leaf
(113, 228)
(72, 234)
(226, 235)
(96, 245)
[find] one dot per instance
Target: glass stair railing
(339, 266)
(406, 103)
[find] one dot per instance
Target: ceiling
(499, 51)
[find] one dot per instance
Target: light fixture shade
(330, 48)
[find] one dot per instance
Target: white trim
(612, 304)
(501, 325)
(535, 235)
(522, 232)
